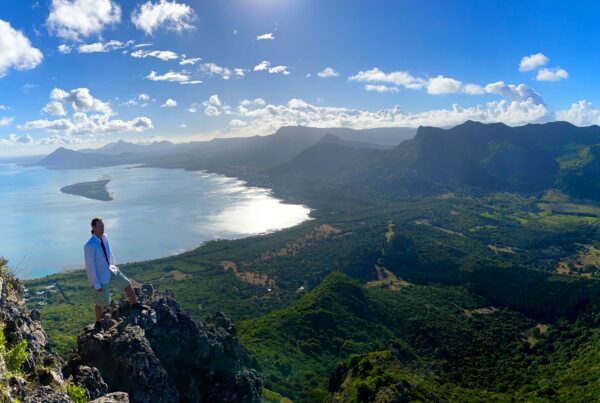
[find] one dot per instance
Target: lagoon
(155, 213)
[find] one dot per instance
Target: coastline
(247, 182)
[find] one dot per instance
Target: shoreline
(271, 192)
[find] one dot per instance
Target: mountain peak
(184, 360)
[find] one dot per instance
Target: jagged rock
(90, 379)
(115, 397)
(162, 355)
(46, 394)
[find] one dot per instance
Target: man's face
(98, 228)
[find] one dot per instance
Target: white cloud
(255, 101)
(183, 126)
(264, 65)
(5, 121)
(268, 118)
(191, 82)
(169, 103)
(513, 92)
(14, 139)
(193, 60)
(73, 19)
(401, 78)
(328, 72)
(237, 123)
(98, 121)
(473, 89)
(172, 76)
(164, 55)
(268, 36)
(581, 113)
(16, 51)
(165, 14)
(81, 123)
(554, 74)
(532, 62)
(79, 99)
(214, 107)
(380, 88)
(144, 97)
(441, 85)
(214, 69)
(279, 70)
(64, 49)
(101, 47)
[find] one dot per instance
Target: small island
(92, 190)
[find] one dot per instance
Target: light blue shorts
(118, 280)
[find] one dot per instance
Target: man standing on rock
(102, 271)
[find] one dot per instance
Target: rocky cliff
(157, 355)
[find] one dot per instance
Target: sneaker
(139, 307)
(98, 326)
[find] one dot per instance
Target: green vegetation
(459, 266)
(77, 393)
(92, 190)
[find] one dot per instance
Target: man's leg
(123, 282)
(131, 295)
(98, 313)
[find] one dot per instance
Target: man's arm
(90, 266)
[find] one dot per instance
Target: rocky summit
(160, 354)
(157, 354)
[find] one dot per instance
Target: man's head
(97, 227)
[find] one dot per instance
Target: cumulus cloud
(214, 107)
(473, 89)
(264, 65)
(328, 72)
(101, 47)
(14, 139)
(165, 14)
(79, 99)
(16, 51)
(189, 61)
(81, 123)
(64, 49)
(90, 115)
(263, 37)
(173, 76)
(164, 55)
(580, 113)
(532, 62)
(401, 78)
(267, 118)
(380, 88)
(74, 19)
(513, 92)
(441, 85)
(554, 74)
(5, 121)
(169, 103)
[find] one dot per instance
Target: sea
(154, 213)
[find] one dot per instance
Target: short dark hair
(95, 221)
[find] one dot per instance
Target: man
(102, 272)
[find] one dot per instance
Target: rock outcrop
(160, 354)
(157, 355)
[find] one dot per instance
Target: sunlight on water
(155, 213)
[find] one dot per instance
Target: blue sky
(85, 72)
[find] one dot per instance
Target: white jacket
(97, 268)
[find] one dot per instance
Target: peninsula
(92, 190)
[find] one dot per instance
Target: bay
(155, 213)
